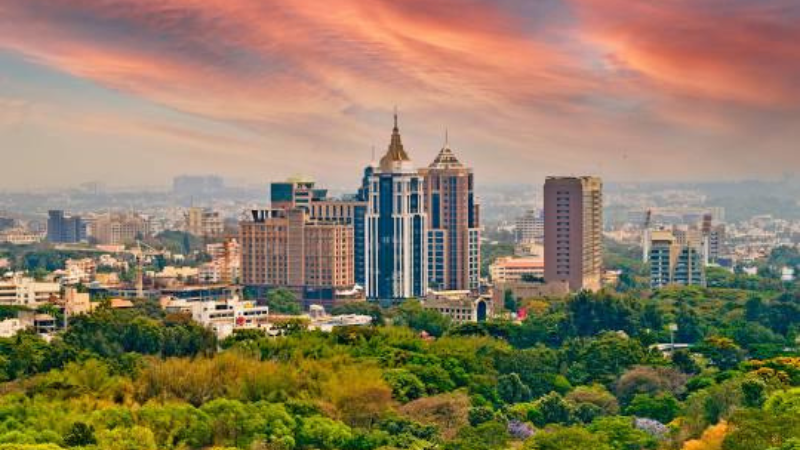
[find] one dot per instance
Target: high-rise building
(295, 192)
(396, 228)
(203, 222)
(573, 231)
(453, 224)
(663, 256)
(673, 261)
(65, 229)
(287, 248)
(530, 227)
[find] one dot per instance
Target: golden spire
(395, 153)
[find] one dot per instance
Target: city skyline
(674, 91)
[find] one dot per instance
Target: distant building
(7, 223)
(573, 217)
(63, 229)
(511, 269)
(20, 236)
(454, 250)
(203, 222)
(396, 228)
(530, 227)
(119, 228)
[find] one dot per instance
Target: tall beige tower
(573, 231)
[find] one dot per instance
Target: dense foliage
(580, 373)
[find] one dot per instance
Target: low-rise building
(224, 317)
(18, 290)
(511, 269)
(460, 306)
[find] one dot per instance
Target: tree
(323, 433)
(283, 301)
(405, 385)
(621, 433)
(80, 435)
(567, 438)
(512, 390)
(509, 301)
(412, 314)
(554, 409)
(662, 407)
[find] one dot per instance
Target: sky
(134, 92)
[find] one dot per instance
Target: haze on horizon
(133, 92)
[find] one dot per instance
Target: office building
(64, 229)
(453, 224)
(287, 248)
(573, 231)
(396, 228)
(203, 222)
(297, 192)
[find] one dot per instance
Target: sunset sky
(133, 92)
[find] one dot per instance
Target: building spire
(395, 153)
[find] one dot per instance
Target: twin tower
(421, 227)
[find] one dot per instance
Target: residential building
(203, 222)
(64, 229)
(675, 261)
(396, 228)
(18, 290)
(511, 269)
(663, 256)
(573, 232)
(454, 250)
(227, 256)
(224, 317)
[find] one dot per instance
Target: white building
(223, 317)
(18, 290)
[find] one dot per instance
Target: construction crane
(648, 218)
(139, 255)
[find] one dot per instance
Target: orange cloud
(735, 51)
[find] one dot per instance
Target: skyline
(676, 91)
